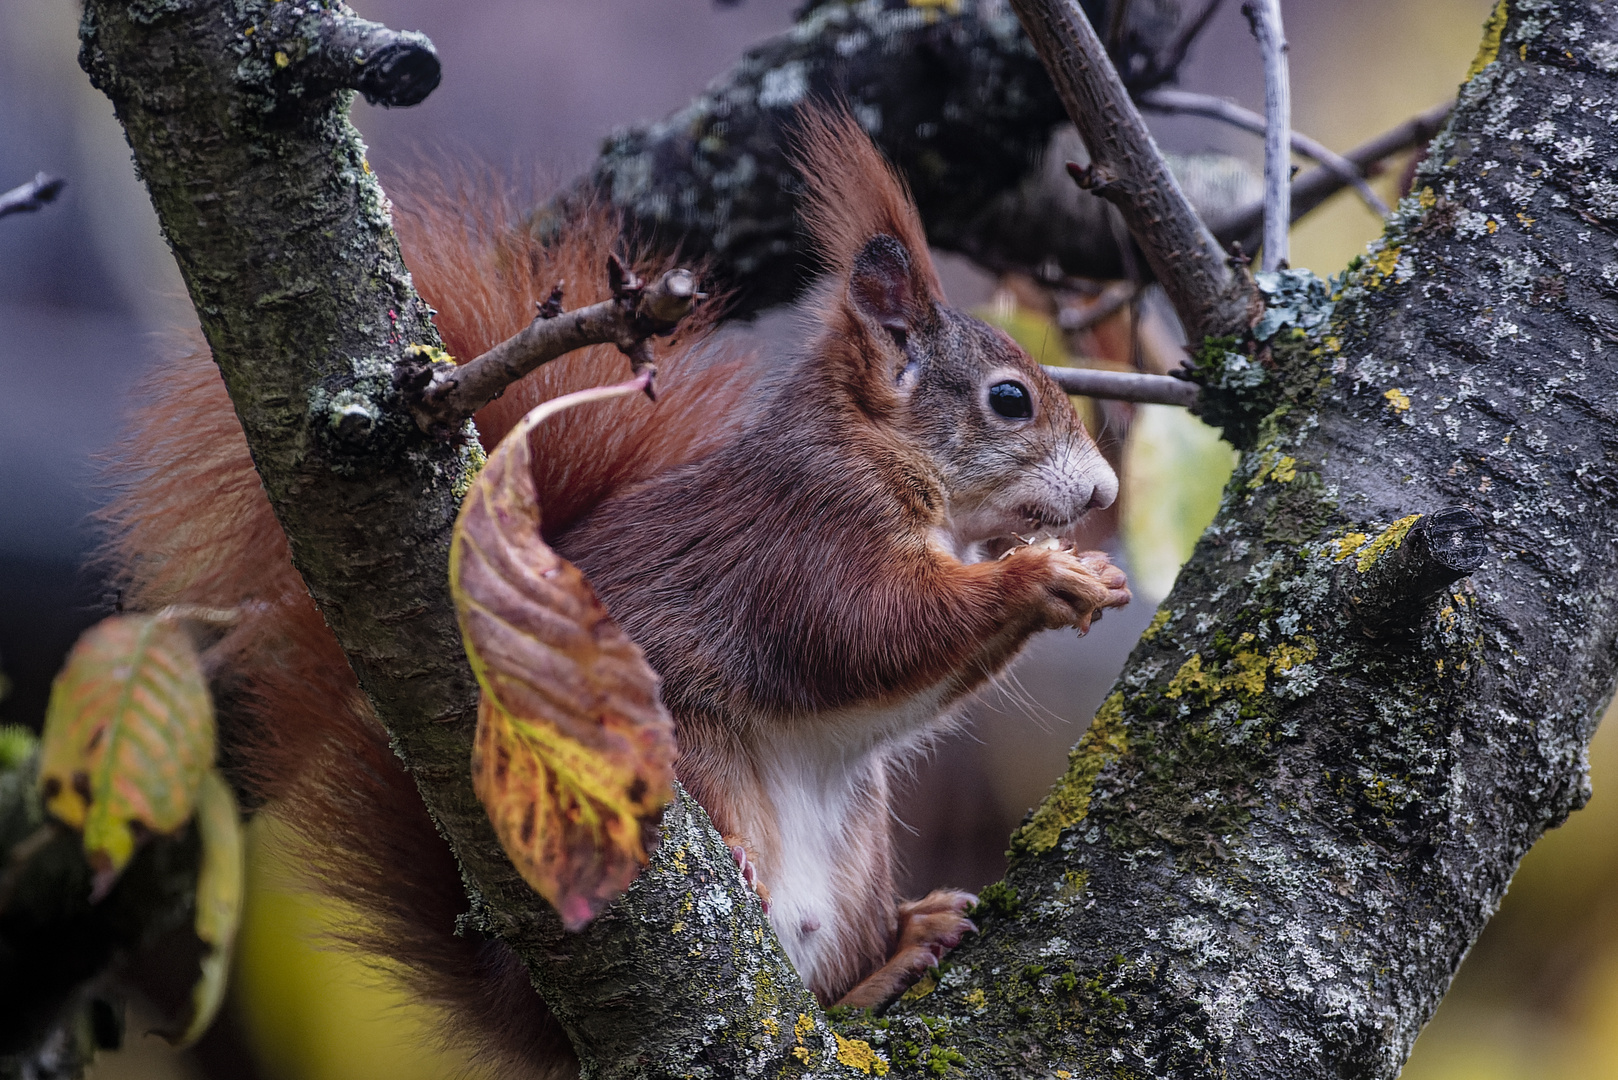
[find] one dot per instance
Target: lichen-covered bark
(1280, 836)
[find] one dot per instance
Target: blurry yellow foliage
(1175, 469)
(311, 1010)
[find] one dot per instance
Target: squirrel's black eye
(1011, 400)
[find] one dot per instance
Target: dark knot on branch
(1387, 589)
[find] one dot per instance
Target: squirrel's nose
(1105, 491)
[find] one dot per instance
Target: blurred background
(87, 291)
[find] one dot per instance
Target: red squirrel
(821, 554)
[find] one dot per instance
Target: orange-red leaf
(574, 753)
(129, 734)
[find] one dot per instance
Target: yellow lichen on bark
(1489, 48)
(1389, 540)
(1069, 801)
(857, 1054)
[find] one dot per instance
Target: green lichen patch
(1244, 674)
(999, 898)
(1068, 801)
(1276, 367)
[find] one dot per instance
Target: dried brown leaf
(574, 752)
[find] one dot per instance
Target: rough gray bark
(1271, 851)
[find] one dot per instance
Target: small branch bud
(551, 306)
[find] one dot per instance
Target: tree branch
(1264, 17)
(1244, 224)
(1175, 102)
(1126, 169)
(954, 95)
(26, 198)
(443, 397)
(1125, 385)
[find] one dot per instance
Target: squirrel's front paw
(1075, 587)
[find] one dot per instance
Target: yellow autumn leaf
(129, 733)
(221, 886)
(574, 752)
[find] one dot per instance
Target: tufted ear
(883, 285)
(859, 216)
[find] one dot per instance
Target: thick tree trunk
(1308, 790)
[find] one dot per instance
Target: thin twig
(1113, 299)
(1317, 185)
(1125, 385)
(1264, 16)
(443, 397)
(1174, 102)
(1127, 170)
(26, 198)
(1167, 67)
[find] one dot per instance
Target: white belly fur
(826, 785)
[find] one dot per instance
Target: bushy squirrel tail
(192, 524)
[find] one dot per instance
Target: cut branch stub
(1387, 585)
(442, 397)
(574, 753)
(326, 51)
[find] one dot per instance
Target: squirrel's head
(992, 429)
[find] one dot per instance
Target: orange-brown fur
(784, 560)
(790, 587)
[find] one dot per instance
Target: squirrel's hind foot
(928, 928)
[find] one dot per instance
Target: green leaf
(574, 752)
(221, 885)
(129, 734)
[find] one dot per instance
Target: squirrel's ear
(883, 286)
